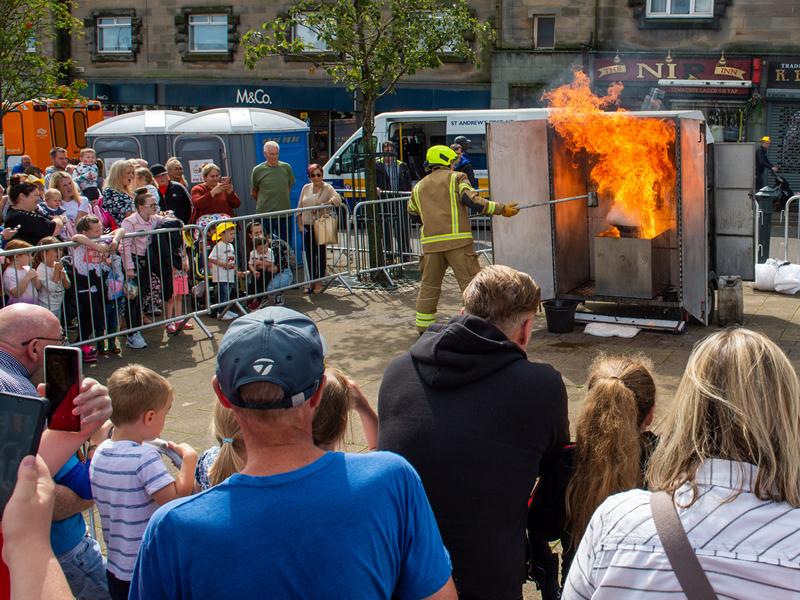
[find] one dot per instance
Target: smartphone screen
(21, 424)
(62, 375)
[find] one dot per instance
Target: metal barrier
(788, 211)
(96, 289)
(246, 259)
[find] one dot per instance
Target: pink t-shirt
(11, 279)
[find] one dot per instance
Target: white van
(414, 132)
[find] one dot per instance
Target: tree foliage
(34, 25)
(368, 46)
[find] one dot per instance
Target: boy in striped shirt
(129, 479)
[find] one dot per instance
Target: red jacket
(203, 203)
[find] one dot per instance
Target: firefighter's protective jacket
(442, 200)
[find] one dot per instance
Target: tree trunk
(375, 225)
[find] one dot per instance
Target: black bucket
(560, 315)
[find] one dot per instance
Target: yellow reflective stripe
(445, 237)
(425, 320)
(465, 186)
(413, 204)
(453, 204)
(490, 207)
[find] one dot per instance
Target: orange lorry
(35, 126)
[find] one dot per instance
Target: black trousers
(316, 254)
(117, 588)
(90, 293)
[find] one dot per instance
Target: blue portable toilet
(233, 138)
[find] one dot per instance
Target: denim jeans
(85, 570)
(224, 291)
(280, 280)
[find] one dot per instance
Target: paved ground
(365, 330)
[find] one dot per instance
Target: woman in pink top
(316, 193)
(137, 259)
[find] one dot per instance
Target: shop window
(311, 42)
(525, 95)
(59, 123)
(544, 32)
(206, 34)
(79, 121)
(680, 8)
(113, 34)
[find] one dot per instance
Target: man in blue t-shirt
(297, 521)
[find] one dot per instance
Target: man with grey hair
(270, 185)
(297, 521)
(479, 422)
(25, 330)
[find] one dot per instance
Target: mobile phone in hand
(21, 423)
(62, 376)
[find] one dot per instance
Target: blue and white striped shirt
(124, 476)
(748, 548)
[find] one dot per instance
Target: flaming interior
(631, 157)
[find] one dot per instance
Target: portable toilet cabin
(233, 139)
(141, 134)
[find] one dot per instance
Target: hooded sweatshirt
(477, 421)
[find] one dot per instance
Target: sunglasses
(315, 175)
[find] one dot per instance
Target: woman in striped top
(730, 458)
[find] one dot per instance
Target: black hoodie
(477, 421)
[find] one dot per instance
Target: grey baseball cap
(275, 344)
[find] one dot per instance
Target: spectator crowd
(470, 479)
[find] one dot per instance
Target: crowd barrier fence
(165, 278)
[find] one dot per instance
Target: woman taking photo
(30, 224)
(215, 195)
(316, 193)
(118, 190)
(726, 473)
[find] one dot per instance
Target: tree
(368, 46)
(29, 66)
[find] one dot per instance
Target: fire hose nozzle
(590, 197)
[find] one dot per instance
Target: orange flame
(632, 162)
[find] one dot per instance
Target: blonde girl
(227, 457)
(50, 272)
(117, 197)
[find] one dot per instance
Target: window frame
(58, 124)
(208, 16)
(100, 27)
(308, 50)
(536, 19)
(668, 14)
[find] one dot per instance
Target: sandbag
(787, 279)
(765, 275)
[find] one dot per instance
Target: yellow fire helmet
(765, 139)
(440, 155)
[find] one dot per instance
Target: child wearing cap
(129, 480)
(222, 264)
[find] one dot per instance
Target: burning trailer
(617, 209)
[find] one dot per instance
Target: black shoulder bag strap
(679, 551)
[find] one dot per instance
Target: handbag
(679, 551)
(326, 229)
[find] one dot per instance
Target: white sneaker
(136, 341)
(229, 316)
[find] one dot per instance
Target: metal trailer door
(734, 212)
(517, 159)
(693, 227)
(196, 150)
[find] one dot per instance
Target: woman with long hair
(74, 204)
(175, 171)
(727, 468)
(118, 190)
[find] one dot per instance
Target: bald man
(25, 330)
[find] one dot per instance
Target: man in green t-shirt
(270, 184)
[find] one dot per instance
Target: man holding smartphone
(21, 363)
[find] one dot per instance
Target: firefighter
(441, 201)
